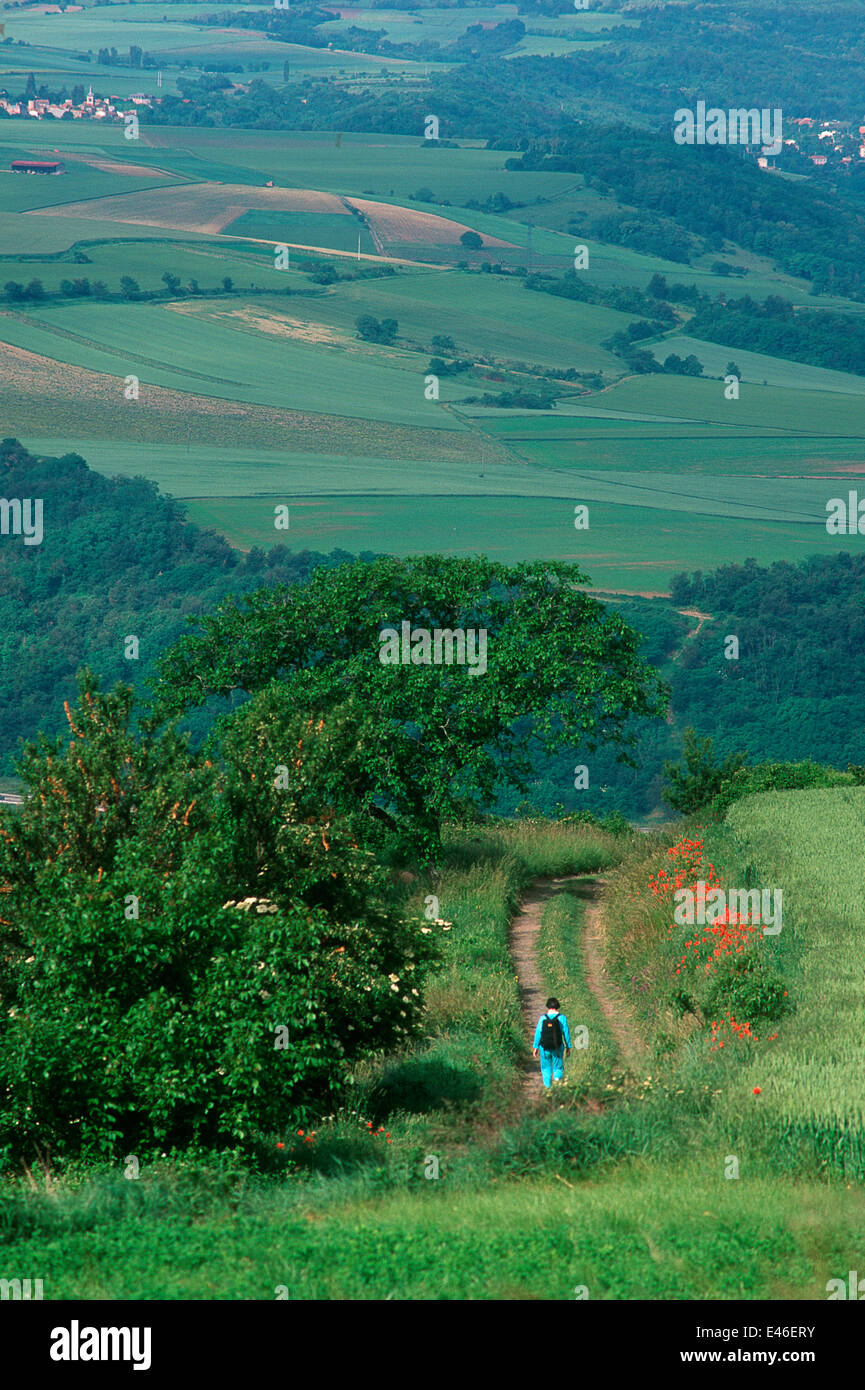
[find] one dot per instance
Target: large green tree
(561, 671)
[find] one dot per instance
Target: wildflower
(280, 1146)
(756, 1090)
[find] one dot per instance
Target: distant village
(830, 143)
(91, 108)
(821, 141)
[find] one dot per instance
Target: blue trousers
(552, 1065)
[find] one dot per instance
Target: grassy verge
(671, 1233)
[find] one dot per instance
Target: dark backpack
(551, 1034)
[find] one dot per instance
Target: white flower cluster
(244, 904)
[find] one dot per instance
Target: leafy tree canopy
(558, 664)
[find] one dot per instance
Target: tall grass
(791, 1100)
(548, 848)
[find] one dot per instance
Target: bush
(690, 788)
(771, 777)
(746, 988)
(190, 954)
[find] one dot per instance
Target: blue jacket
(563, 1023)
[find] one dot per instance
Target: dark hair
(552, 1003)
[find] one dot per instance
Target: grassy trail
(524, 931)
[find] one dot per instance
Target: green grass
(758, 367)
(626, 547)
(21, 192)
(818, 412)
(675, 1235)
(145, 261)
(358, 164)
(630, 1202)
(806, 1113)
(547, 848)
(212, 349)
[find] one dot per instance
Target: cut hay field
(213, 208)
(201, 207)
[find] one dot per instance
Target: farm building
(38, 166)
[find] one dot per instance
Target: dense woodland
(118, 560)
(122, 561)
(798, 680)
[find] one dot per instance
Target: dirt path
(533, 996)
(689, 637)
(695, 631)
(607, 993)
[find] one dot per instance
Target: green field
(171, 37)
(304, 229)
(808, 841)
(627, 547)
(260, 396)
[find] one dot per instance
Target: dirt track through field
(533, 996)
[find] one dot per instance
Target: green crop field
(626, 547)
(223, 353)
(806, 842)
(304, 229)
(170, 36)
(145, 255)
(758, 367)
(400, 390)
(385, 166)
